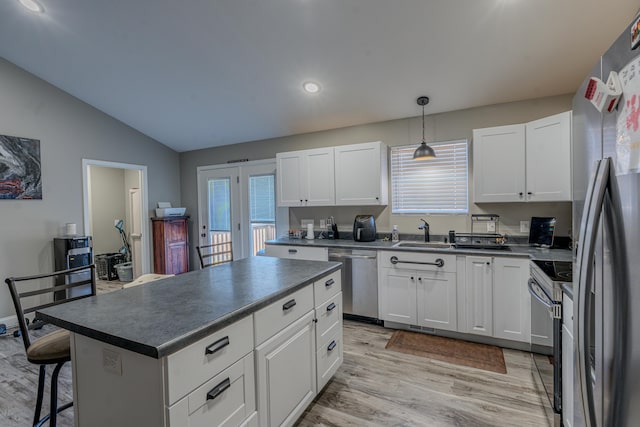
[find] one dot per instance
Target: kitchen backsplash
(510, 216)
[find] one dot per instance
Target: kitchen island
(249, 342)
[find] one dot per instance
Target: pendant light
(423, 152)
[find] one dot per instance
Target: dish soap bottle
(395, 236)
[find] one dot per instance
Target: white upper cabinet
(306, 178)
(523, 163)
(499, 164)
(361, 174)
(549, 158)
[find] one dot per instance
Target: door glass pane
(262, 211)
(219, 192)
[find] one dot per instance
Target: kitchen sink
(425, 245)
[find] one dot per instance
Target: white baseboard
(11, 321)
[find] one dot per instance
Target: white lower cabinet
(511, 299)
(227, 399)
(397, 291)
(297, 252)
(496, 299)
(478, 295)
(424, 295)
(437, 303)
(263, 369)
(286, 373)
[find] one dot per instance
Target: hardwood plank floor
(374, 387)
(378, 387)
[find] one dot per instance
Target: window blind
(262, 198)
(437, 185)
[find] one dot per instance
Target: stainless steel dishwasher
(359, 281)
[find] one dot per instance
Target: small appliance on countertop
(364, 228)
(541, 231)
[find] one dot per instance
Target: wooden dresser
(170, 245)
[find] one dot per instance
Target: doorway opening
(115, 208)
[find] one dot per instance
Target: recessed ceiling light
(32, 5)
(311, 87)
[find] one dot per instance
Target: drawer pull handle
(293, 251)
(217, 390)
(329, 282)
(217, 346)
(288, 305)
(332, 345)
(331, 306)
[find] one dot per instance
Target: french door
(237, 205)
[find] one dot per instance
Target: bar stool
(54, 347)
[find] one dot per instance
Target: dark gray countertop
(521, 250)
(159, 318)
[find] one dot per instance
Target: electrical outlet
(524, 226)
(323, 223)
(491, 227)
(111, 361)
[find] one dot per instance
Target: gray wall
(69, 130)
(438, 127)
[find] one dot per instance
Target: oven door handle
(544, 298)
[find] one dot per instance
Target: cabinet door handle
(329, 282)
(293, 251)
(332, 345)
(439, 262)
(288, 305)
(217, 390)
(420, 279)
(217, 346)
(331, 306)
(529, 193)
(521, 194)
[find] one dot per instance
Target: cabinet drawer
(275, 317)
(327, 287)
(225, 400)
(414, 260)
(328, 315)
(193, 365)
(567, 313)
(297, 252)
(329, 357)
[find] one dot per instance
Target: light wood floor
(378, 387)
(373, 387)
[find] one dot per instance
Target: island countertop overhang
(162, 317)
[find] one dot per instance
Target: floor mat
(480, 356)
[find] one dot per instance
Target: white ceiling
(201, 73)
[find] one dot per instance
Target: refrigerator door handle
(588, 234)
(615, 413)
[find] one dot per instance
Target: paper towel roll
(310, 231)
(70, 229)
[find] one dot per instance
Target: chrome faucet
(425, 227)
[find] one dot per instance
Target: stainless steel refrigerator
(606, 228)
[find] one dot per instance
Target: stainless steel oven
(545, 286)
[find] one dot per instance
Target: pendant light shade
(423, 152)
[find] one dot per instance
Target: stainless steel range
(545, 286)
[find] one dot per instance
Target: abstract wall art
(20, 173)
